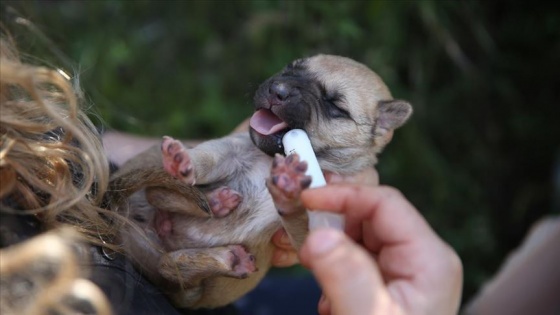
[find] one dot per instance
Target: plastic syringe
(297, 141)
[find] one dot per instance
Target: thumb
(347, 274)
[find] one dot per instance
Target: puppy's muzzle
(278, 108)
(279, 92)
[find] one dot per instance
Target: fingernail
(323, 241)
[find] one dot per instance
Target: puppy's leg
(190, 266)
(179, 162)
(178, 201)
(285, 184)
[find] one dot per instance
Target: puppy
(207, 254)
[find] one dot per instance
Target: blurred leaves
(477, 157)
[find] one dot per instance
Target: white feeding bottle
(297, 141)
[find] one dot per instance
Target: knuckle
(454, 262)
(390, 192)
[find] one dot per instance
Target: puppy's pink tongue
(265, 122)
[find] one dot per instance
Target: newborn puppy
(208, 255)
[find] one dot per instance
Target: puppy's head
(345, 108)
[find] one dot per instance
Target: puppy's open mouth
(266, 123)
(267, 130)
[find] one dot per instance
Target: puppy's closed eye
(332, 108)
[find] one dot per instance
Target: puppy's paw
(286, 182)
(223, 200)
(189, 266)
(241, 262)
(176, 160)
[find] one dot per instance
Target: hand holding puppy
(392, 263)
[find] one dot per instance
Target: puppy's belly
(252, 224)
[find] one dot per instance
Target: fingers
(284, 254)
(368, 177)
(391, 217)
(414, 261)
(347, 274)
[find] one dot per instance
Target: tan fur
(189, 263)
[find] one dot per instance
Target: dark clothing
(129, 292)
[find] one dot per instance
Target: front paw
(286, 182)
(223, 200)
(176, 160)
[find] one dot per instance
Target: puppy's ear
(391, 115)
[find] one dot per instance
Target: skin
(391, 263)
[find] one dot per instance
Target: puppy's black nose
(280, 90)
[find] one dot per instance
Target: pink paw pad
(287, 181)
(288, 175)
(223, 200)
(176, 160)
(242, 262)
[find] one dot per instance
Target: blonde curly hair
(52, 163)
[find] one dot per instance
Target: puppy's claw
(290, 158)
(301, 167)
(186, 171)
(306, 182)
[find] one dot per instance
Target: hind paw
(241, 261)
(223, 200)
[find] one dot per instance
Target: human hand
(368, 177)
(391, 262)
(284, 254)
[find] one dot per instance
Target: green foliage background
(479, 157)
